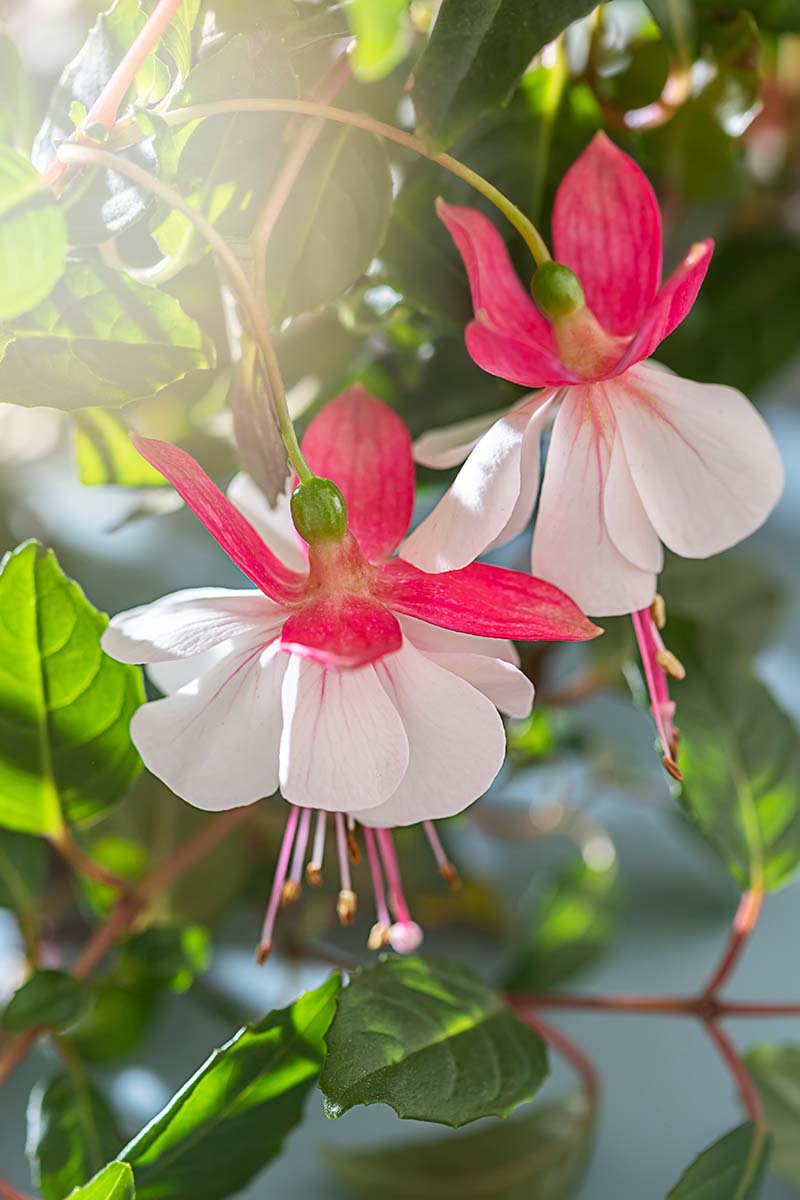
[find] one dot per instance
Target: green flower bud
(557, 290)
(318, 510)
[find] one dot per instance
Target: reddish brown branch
(564, 1046)
(744, 923)
(744, 1082)
(7, 1192)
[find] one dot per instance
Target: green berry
(318, 510)
(557, 290)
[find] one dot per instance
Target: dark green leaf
(113, 1183)
(773, 16)
(114, 1023)
(106, 454)
(570, 927)
(730, 1169)
(740, 756)
(477, 53)
(33, 237)
(166, 956)
(51, 998)
(333, 227)
(72, 1133)
(542, 1155)
(100, 340)
(776, 1071)
(65, 707)
(731, 592)
(23, 867)
(429, 1039)
(677, 20)
(382, 36)
(231, 1118)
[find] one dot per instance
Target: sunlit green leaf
(428, 1038)
(571, 925)
(382, 36)
(51, 998)
(65, 750)
(776, 1071)
(16, 98)
(23, 867)
(541, 1155)
(335, 224)
(33, 237)
(477, 53)
(730, 1169)
(100, 340)
(115, 1182)
(72, 1133)
(106, 454)
(231, 1118)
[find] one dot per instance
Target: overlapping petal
(273, 525)
(224, 522)
(450, 445)
(607, 229)
(513, 356)
(365, 448)
(344, 631)
(703, 459)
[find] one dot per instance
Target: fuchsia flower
(353, 681)
(638, 456)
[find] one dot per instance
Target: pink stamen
(392, 869)
(661, 706)
(314, 868)
(300, 846)
(381, 908)
(341, 846)
(265, 945)
(446, 868)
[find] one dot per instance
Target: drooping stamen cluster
(660, 665)
(394, 926)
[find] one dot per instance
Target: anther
(658, 611)
(378, 936)
(289, 892)
(353, 849)
(314, 875)
(263, 952)
(346, 905)
(451, 876)
(671, 664)
(672, 768)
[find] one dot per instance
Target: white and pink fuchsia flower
(638, 457)
(357, 684)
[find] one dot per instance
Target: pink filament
(341, 845)
(392, 869)
(655, 677)
(442, 860)
(280, 876)
(319, 839)
(300, 846)
(381, 909)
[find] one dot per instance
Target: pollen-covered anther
(289, 892)
(450, 876)
(672, 768)
(353, 849)
(671, 664)
(263, 952)
(346, 906)
(658, 611)
(314, 875)
(378, 936)
(675, 742)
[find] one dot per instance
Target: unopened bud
(557, 290)
(318, 510)
(346, 905)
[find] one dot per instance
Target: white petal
(215, 742)
(430, 638)
(703, 460)
(188, 623)
(456, 738)
(273, 524)
(174, 673)
(449, 446)
(501, 682)
(627, 522)
(343, 747)
(487, 493)
(571, 545)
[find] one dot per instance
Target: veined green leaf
(115, 1182)
(33, 236)
(106, 454)
(730, 1169)
(776, 1071)
(65, 706)
(50, 998)
(72, 1133)
(231, 1118)
(429, 1039)
(100, 340)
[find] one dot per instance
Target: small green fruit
(557, 290)
(318, 510)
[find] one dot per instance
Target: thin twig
(744, 922)
(7, 1192)
(744, 1082)
(83, 863)
(563, 1046)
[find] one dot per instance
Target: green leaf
(165, 956)
(72, 1133)
(114, 1023)
(730, 1169)
(16, 98)
(33, 236)
(23, 868)
(571, 925)
(106, 454)
(776, 1071)
(676, 19)
(334, 226)
(429, 1039)
(231, 1118)
(542, 1155)
(382, 36)
(100, 340)
(65, 750)
(50, 998)
(740, 757)
(477, 53)
(113, 1183)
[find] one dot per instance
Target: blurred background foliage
(363, 283)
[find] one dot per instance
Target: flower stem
(566, 1048)
(744, 1082)
(90, 156)
(310, 108)
(82, 863)
(744, 923)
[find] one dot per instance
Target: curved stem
(744, 923)
(83, 864)
(566, 1048)
(7, 1192)
(90, 156)
(309, 108)
(744, 1082)
(661, 1005)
